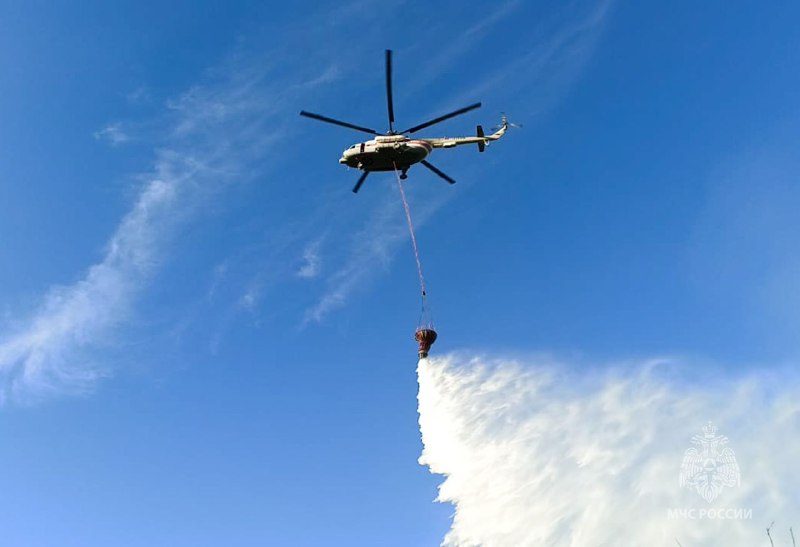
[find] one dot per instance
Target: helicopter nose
(342, 160)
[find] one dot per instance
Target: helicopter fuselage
(386, 153)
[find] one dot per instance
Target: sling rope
(425, 312)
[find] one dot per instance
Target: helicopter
(395, 150)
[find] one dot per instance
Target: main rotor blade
(389, 102)
(337, 122)
(360, 182)
(435, 170)
(443, 118)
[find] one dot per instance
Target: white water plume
(540, 452)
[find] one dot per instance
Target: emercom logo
(709, 466)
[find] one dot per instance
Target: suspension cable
(425, 312)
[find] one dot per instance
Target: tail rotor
(505, 123)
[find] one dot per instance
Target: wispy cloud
(217, 276)
(465, 41)
(45, 354)
(249, 300)
(549, 63)
(217, 132)
(371, 250)
(139, 95)
(311, 260)
(112, 133)
(750, 210)
(540, 451)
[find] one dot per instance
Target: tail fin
(481, 144)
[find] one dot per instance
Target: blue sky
(206, 339)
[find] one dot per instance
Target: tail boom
(480, 138)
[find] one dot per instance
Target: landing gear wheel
(403, 175)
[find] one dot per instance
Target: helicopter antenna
(389, 101)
